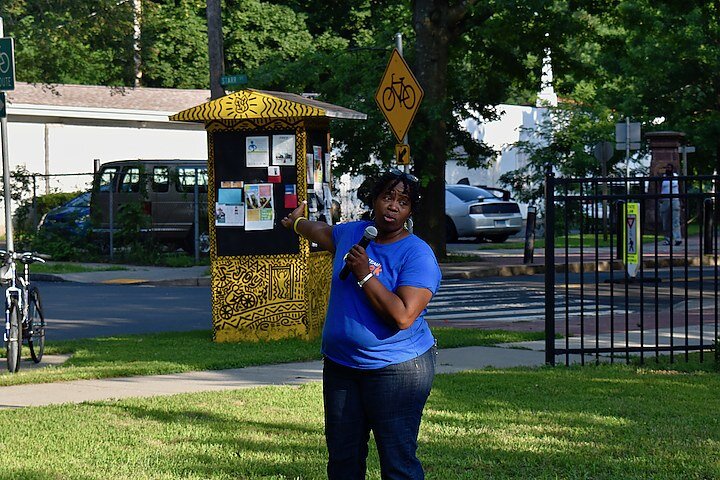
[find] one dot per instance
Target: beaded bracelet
(296, 223)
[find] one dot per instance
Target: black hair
(389, 180)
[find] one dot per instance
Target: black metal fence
(598, 309)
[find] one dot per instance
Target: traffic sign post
(399, 95)
(7, 82)
(631, 239)
(3, 105)
(7, 64)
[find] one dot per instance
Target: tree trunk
(430, 21)
(215, 47)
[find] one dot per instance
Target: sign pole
(6, 176)
(627, 153)
(406, 167)
(399, 46)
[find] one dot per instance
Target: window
(160, 179)
(186, 179)
(130, 180)
(469, 194)
(106, 178)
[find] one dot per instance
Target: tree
(661, 59)
(215, 47)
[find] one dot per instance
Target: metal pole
(684, 160)
(550, 266)
(627, 152)
(196, 212)
(406, 168)
(9, 246)
(111, 187)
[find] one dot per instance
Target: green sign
(3, 105)
(7, 64)
(233, 80)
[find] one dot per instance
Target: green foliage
(27, 216)
(175, 46)
(68, 41)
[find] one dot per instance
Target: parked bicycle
(24, 319)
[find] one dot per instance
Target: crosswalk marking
(501, 302)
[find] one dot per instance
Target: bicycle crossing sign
(399, 95)
(7, 64)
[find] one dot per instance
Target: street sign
(402, 154)
(399, 95)
(621, 134)
(3, 105)
(7, 64)
(233, 80)
(631, 255)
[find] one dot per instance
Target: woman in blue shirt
(379, 354)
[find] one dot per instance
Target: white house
(60, 129)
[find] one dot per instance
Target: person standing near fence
(379, 353)
(670, 207)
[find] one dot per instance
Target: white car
(476, 212)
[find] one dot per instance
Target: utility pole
(215, 47)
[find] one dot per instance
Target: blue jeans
(389, 401)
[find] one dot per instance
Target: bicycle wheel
(408, 97)
(13, 345)
(388, 99)
(36, 319)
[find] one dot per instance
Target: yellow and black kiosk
(267, 152)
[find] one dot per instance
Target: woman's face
(392, 207)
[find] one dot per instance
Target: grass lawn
(174, 352)
(54, 267)
(606, 422)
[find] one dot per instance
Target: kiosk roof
(251, 103)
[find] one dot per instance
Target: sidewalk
(449, 361)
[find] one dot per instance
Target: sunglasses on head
(397, 173)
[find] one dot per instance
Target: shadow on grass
(595, 422)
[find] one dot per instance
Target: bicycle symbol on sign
(405, 94)
(4, 62)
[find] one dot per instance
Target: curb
(449, 271)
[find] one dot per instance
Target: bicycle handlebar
(24, 257)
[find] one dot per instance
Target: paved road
(83, 311)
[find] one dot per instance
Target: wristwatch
(364, 280)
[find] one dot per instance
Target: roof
(251, 103)
(95, 96)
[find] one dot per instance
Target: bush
(25, 223)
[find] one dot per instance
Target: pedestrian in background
(670, 207)
(379, 353)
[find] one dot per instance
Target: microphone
(369, 235)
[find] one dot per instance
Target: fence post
(549, 265)
(110, 219)
(530, 235)
(34, 203)
(619, 226)
(708, 230)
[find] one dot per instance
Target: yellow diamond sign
(399, 95)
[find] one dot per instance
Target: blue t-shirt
(354, 335)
